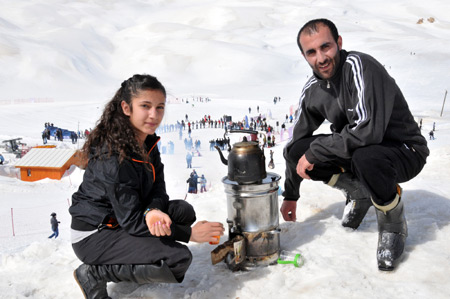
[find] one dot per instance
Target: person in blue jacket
(124, 227)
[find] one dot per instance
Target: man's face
(321, 51)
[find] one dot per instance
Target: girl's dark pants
(115, 246)
(379, 167)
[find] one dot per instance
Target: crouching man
(374, 144)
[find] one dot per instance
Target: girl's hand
(158, 223)
(204, 231)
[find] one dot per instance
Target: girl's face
(146, 113)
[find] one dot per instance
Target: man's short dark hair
(311, 27)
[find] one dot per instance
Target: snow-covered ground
(62, 60)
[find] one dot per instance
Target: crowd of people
(58, 133)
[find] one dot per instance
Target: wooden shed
(41, 163)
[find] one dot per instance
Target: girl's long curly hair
(114, 128)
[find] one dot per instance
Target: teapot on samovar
(246, 160)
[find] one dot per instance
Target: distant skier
(189, 160)
(54, 222)
(73, 137)
(192, 181)
(271, 163)
(202, 183)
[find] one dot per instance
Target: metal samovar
(252, 206)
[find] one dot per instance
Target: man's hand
(158, 223)
(288, 210)
(302, 166)
(204, 231)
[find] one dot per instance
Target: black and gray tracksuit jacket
(113, 192)
(364, 106)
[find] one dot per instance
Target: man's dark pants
(379, 167)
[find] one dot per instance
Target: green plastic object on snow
(287, 258)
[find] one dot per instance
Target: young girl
(124, 228)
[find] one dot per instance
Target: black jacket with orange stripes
(119, 193)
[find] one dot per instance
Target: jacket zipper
(328, 84)
(148, 154)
